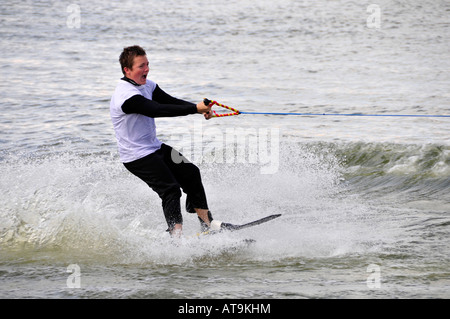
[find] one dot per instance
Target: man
(134, 105)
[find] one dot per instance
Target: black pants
(166, 176)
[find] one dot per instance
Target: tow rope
(211, 103)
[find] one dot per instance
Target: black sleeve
(151, 108)
(162, 97)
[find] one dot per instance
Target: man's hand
(205, 110)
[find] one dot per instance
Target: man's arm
(151, 108)
(162, 97)
(163, 105)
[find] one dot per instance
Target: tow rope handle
(211, 103)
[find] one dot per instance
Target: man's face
(138, 73)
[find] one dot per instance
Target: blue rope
(345, 114)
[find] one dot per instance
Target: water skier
(136, 102)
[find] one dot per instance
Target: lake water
(365, 200)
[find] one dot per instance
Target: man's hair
(127, 56)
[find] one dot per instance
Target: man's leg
(189, 177)
(203, 214)
(176, 230)
(153, 170)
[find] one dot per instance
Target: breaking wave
(329, 195)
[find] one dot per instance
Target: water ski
(218, 226)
